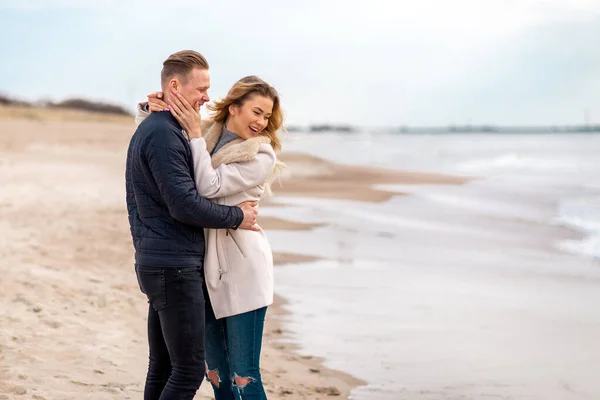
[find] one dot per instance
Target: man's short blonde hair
(181, 64)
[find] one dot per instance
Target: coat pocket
(235, 242)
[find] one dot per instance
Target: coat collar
(238, 150)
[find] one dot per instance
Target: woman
(234, 161)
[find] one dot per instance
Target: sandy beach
(73, 318)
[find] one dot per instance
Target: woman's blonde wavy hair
(239, 93)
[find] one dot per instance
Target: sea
(486, 290)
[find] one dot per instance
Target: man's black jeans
(175, 331)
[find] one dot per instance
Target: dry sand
(73, 318)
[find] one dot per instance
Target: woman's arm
(232, 178)
(141, 114)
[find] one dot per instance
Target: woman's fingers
(175, 107)
(177, 101)
(157, 98)
(156, 105)
(156, 95)
(182, 102)
(155, 102)
(176, 115)
(188, 118)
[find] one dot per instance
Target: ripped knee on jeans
(213, 376)
(241, 382)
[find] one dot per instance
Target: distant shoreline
(102, 108)
(591, 128)
(78, 104)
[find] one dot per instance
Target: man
(166, 217)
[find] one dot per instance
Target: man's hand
(250, 211)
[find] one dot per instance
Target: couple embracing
(206, 267)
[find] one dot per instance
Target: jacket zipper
(235, 241)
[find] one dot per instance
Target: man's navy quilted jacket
(166, 213)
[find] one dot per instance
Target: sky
(366, 63)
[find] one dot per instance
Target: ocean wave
(582, 215)
(516, 161)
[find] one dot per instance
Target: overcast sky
(377, 62)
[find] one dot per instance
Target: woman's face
(251, 118)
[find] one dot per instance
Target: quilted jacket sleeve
(232, 178)
(167, 159)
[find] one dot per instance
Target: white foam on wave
(582, 215)
(589, 246)
(520, 162)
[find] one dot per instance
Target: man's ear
(174, 84)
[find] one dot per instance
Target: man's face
(195, 88)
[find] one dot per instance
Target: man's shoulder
(157, 121)
(160, 129)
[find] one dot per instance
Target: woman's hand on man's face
(185, 114)
(188, 118)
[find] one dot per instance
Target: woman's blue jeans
(232, 346)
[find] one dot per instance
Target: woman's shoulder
(206, 124)
(260, 145)
(268, 156)
(266, 148)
